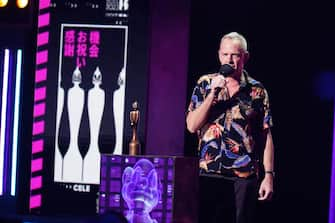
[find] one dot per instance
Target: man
(232, 117)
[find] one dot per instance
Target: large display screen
(91, 65)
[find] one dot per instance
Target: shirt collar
(244, 79)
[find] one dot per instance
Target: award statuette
(134, 145)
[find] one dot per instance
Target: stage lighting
(21, 3)
(3, 3)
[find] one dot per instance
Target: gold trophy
(134, 145)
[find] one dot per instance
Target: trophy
(134, 145)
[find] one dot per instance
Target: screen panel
(88, 61)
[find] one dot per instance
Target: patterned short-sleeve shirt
(231, 141)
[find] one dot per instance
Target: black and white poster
(90, 99)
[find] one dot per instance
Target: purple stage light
(332, 179)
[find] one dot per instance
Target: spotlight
(21, 3)
(3, 3)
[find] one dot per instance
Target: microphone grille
(226, 70)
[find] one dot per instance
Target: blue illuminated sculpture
(141, 191)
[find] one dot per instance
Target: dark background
(291, 44)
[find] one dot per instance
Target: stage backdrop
(90, 67)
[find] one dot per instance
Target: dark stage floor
(110, 218)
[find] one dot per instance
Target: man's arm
(197, 118)
(266, 188)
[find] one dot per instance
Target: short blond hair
(236, 36)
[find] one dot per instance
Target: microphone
(224, 70)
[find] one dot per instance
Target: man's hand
(218, 82)
(266, 189)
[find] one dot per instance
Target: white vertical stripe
(3, 117)
(16, 120)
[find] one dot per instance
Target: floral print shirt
(232, 140)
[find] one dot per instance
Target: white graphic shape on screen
(58, 169)
(72, 159)
(119, 98)
(96, 103)
(123, 5)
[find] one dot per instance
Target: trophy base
(134, 148)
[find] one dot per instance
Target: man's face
(231, 53)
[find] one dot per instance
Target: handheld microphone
(224, 70)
